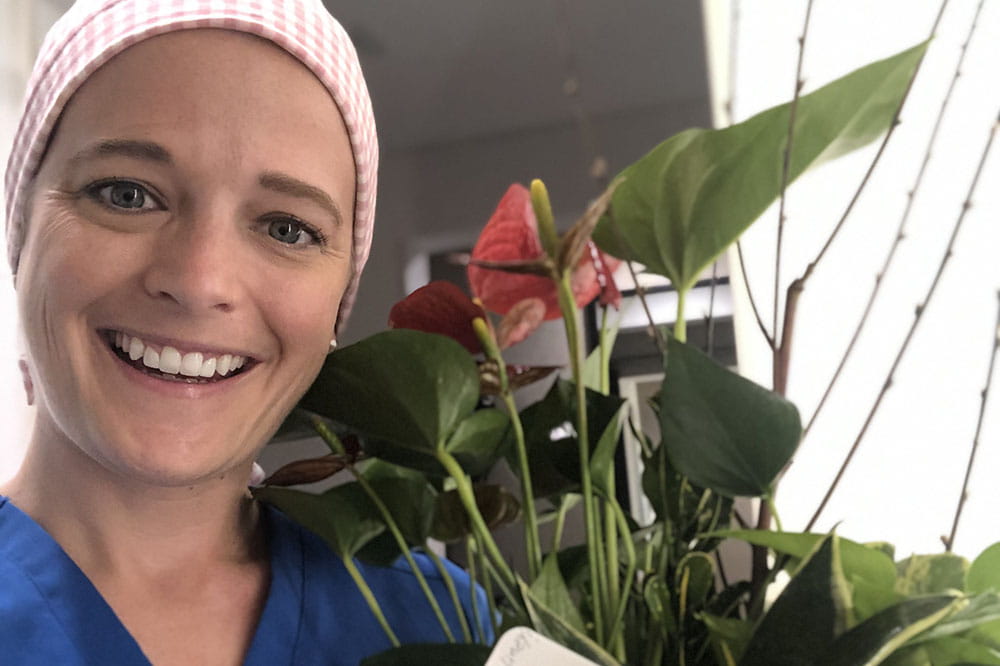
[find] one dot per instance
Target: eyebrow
(285, 184)
(143, 150)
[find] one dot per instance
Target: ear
(29, 386)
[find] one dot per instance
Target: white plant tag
(521, 646)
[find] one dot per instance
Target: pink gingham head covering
(93, 31)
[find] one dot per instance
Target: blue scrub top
(50, 612)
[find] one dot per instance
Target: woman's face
(193, 211)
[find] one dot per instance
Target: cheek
(302, 311)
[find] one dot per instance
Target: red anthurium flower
(520, 322)
(511, 235)
(439, 307)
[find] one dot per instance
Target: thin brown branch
(950, 541)
(753, 303)
(785, 168)
(878, 156)
(918, 316)
(901, 230)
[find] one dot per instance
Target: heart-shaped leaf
(810, 613)
(871, 573)
(686, 201)
(870, 642)
(720, 430)
(404, 387)
(344, 517)
(479, 440)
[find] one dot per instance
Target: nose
(194, 266)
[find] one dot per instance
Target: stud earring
(333, 344)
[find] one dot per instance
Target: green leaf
(729, 636)
(872, 641)
(656, 594)
(439, 655)
(411, 503)
(479, 440)
(687, 200)
(550, 590)
(554, 458)
(343, 516)
(634, 203)
(870, 572)
(721, 430)
(931, 574)
(695, 579)
(406, 388)
(980, 613)
(984, 572)
(592, 366)
(602, 459)
(956, 651)
(807, 617)
(549, 623)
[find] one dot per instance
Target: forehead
(210, 88)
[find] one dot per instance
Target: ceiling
(446, 70)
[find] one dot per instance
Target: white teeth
(135, 349)
(171, 361)
(207, 368)
(191, 364)
(151, 359)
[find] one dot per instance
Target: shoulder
(30, 631)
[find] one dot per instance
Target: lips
(170, 363)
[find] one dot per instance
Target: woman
(190, 201)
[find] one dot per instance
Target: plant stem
(479, 528)
(531, 538)
(390, 523)
(567, 305)
(753, 303)
(564, 504)
(901, 230)
(470, 563)
(488, 587)
(369, 596)
(630, 565)
(918, 315)
(769, 499)
(452, 592)
(680, 325)
(611, 563)
(605, 353)
(785, 170)
(979, 426)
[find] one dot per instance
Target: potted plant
(419, 414)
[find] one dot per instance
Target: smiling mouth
(170, 364)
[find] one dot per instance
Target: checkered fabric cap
(93, 31)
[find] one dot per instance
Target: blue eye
(291, 231)
(123, 195)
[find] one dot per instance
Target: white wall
(904, 483)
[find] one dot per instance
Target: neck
(110, 523)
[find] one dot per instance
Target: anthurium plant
(418, 415)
